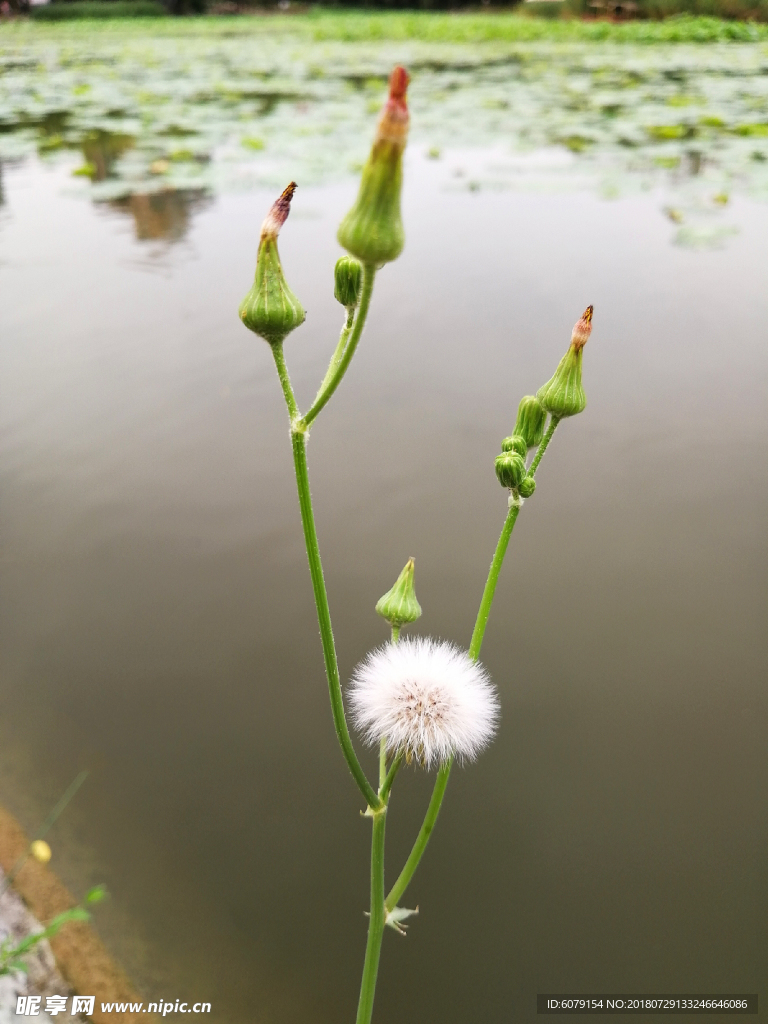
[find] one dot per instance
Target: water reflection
(101, 150)
(162, 215)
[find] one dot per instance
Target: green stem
(484, 610)
(441, 782)
(553, 421)
(394, 768)
(339, 350)
(382, 762)
(376, 921)
(422, 839)
(383, 743)
(285, 381)
(299, 442)
(330, 385)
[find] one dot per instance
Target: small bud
(347, 275)
(531, 418)
(373, 228)
(510, 469)
(41, 851)
(515, 444)
(563, 395)
(399, 605)
(527, 487)
(270, 309)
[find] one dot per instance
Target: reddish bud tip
(393, 125)
(582, 329)
(278, 213)
(398, 84)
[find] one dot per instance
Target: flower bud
(515, 444)
(270, 309)
(373, 228)
(527, 487)
(563, 395)
(41, 851)
(347, 276)
(510, 469)
(531, 418)
(399, 605)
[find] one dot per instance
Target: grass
(88, 9)
(321, 25)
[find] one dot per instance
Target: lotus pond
(193, 113)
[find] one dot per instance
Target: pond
(158, 619)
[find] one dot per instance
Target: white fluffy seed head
(427, 698)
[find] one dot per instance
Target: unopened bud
(563, 395)
(531, 418)
(373, 228)
(399, 605)
(346, 281)
(270, 309)
(510, 469)
(515, 443)
(41, 851)
(527, 487)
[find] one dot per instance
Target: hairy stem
(339, 350)
(376, 921)
(543, 446)
(285, 381)
(332, 382)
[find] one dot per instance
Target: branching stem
(554, 420)
(299, 443)
(332, 382)
(441, 782)
(484, 611)
(339, 350)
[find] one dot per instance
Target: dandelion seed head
(427, 698)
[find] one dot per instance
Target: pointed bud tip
(582, 329)
(270, 309)
(563, 394)
(278, 213)
(398, 84)
(393, 126)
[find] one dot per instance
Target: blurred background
(157, 616)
